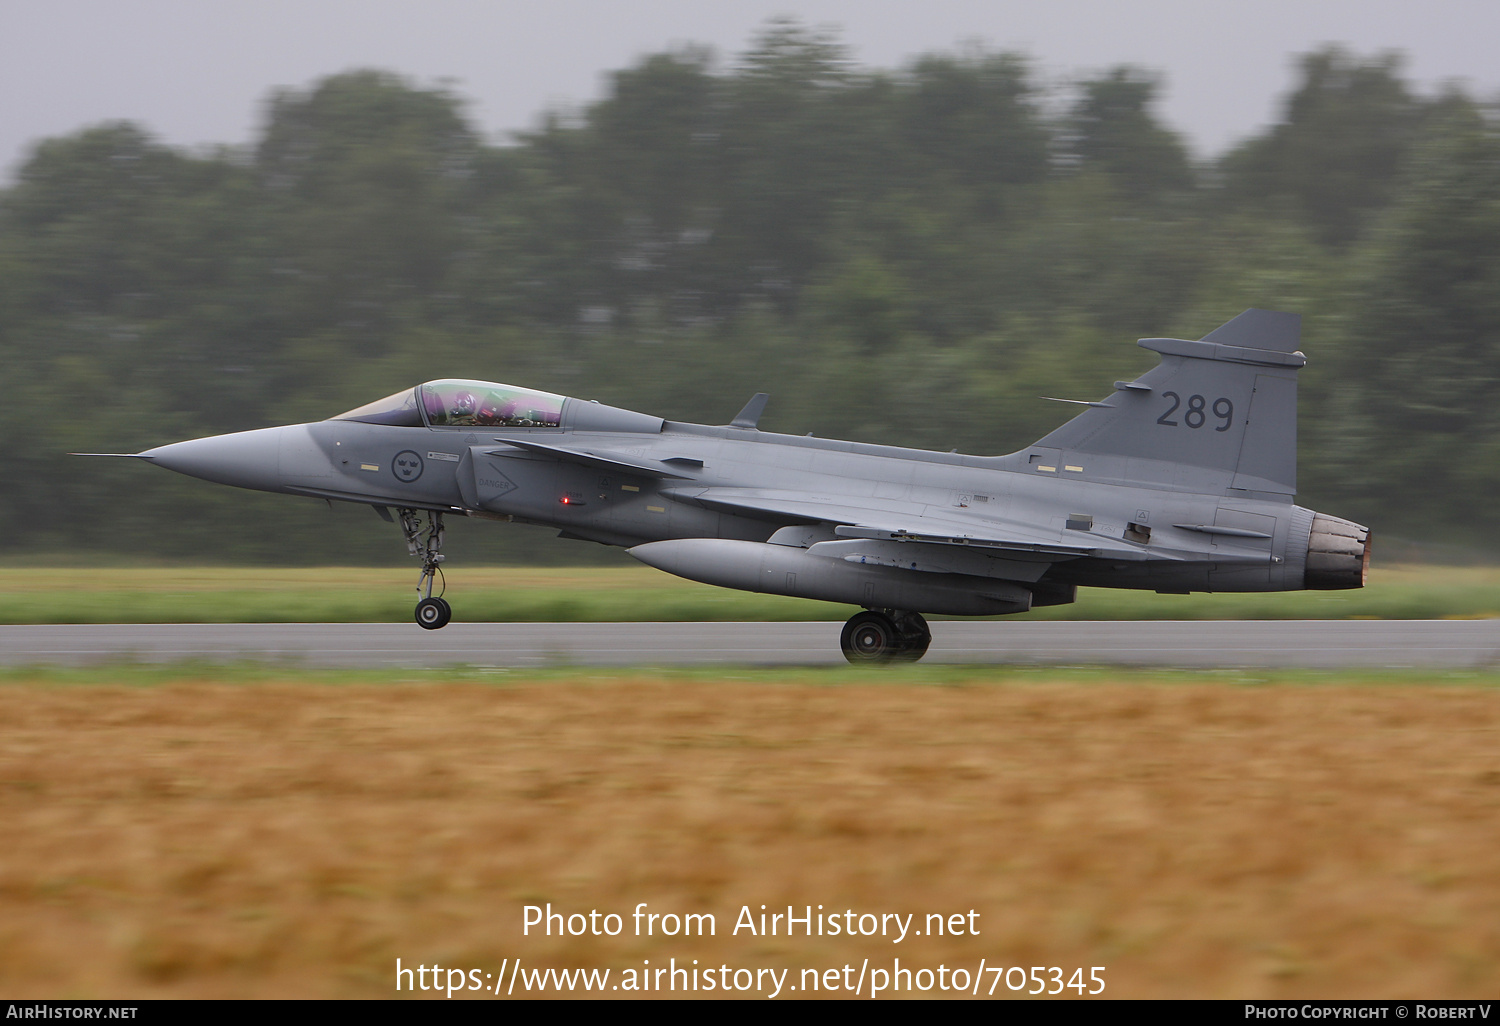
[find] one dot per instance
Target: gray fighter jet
(1179, 481)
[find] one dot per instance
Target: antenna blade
(749, 417)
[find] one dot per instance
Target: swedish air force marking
(407, 466)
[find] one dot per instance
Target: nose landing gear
(433, 613)
(432, 610)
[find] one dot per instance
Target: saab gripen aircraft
(1178, 481)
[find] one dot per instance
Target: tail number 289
(1196, 414)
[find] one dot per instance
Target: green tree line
(908, 256)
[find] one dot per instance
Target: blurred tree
(972, 120)
(134, 268)
(1111, 130)
(1334, 157)
(1420, 417)
(368, 182)
(656, 126)
(645, 189)
(864, 301)
(783, 162)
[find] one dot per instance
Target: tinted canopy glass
(456, 403)
(399, 410)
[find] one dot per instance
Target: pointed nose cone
(246, 459)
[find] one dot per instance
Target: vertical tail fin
(1225, 404)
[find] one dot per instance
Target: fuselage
(630, 479)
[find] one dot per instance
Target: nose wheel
(433, 613)
(426, 544)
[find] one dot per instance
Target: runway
(1452, 644)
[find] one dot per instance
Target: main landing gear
(884, 636)
(432, 610)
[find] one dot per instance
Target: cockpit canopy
(457, 403)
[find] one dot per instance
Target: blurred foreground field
(499, 594)
(237, 832)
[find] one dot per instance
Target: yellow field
(1196, 839)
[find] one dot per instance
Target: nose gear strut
(432, 610)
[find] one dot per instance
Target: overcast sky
(197, 72)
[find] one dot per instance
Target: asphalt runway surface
(1452, 644)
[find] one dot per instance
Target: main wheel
(914, 638)
(433, 613)
(870, 637)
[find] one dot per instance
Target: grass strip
(606, 594)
